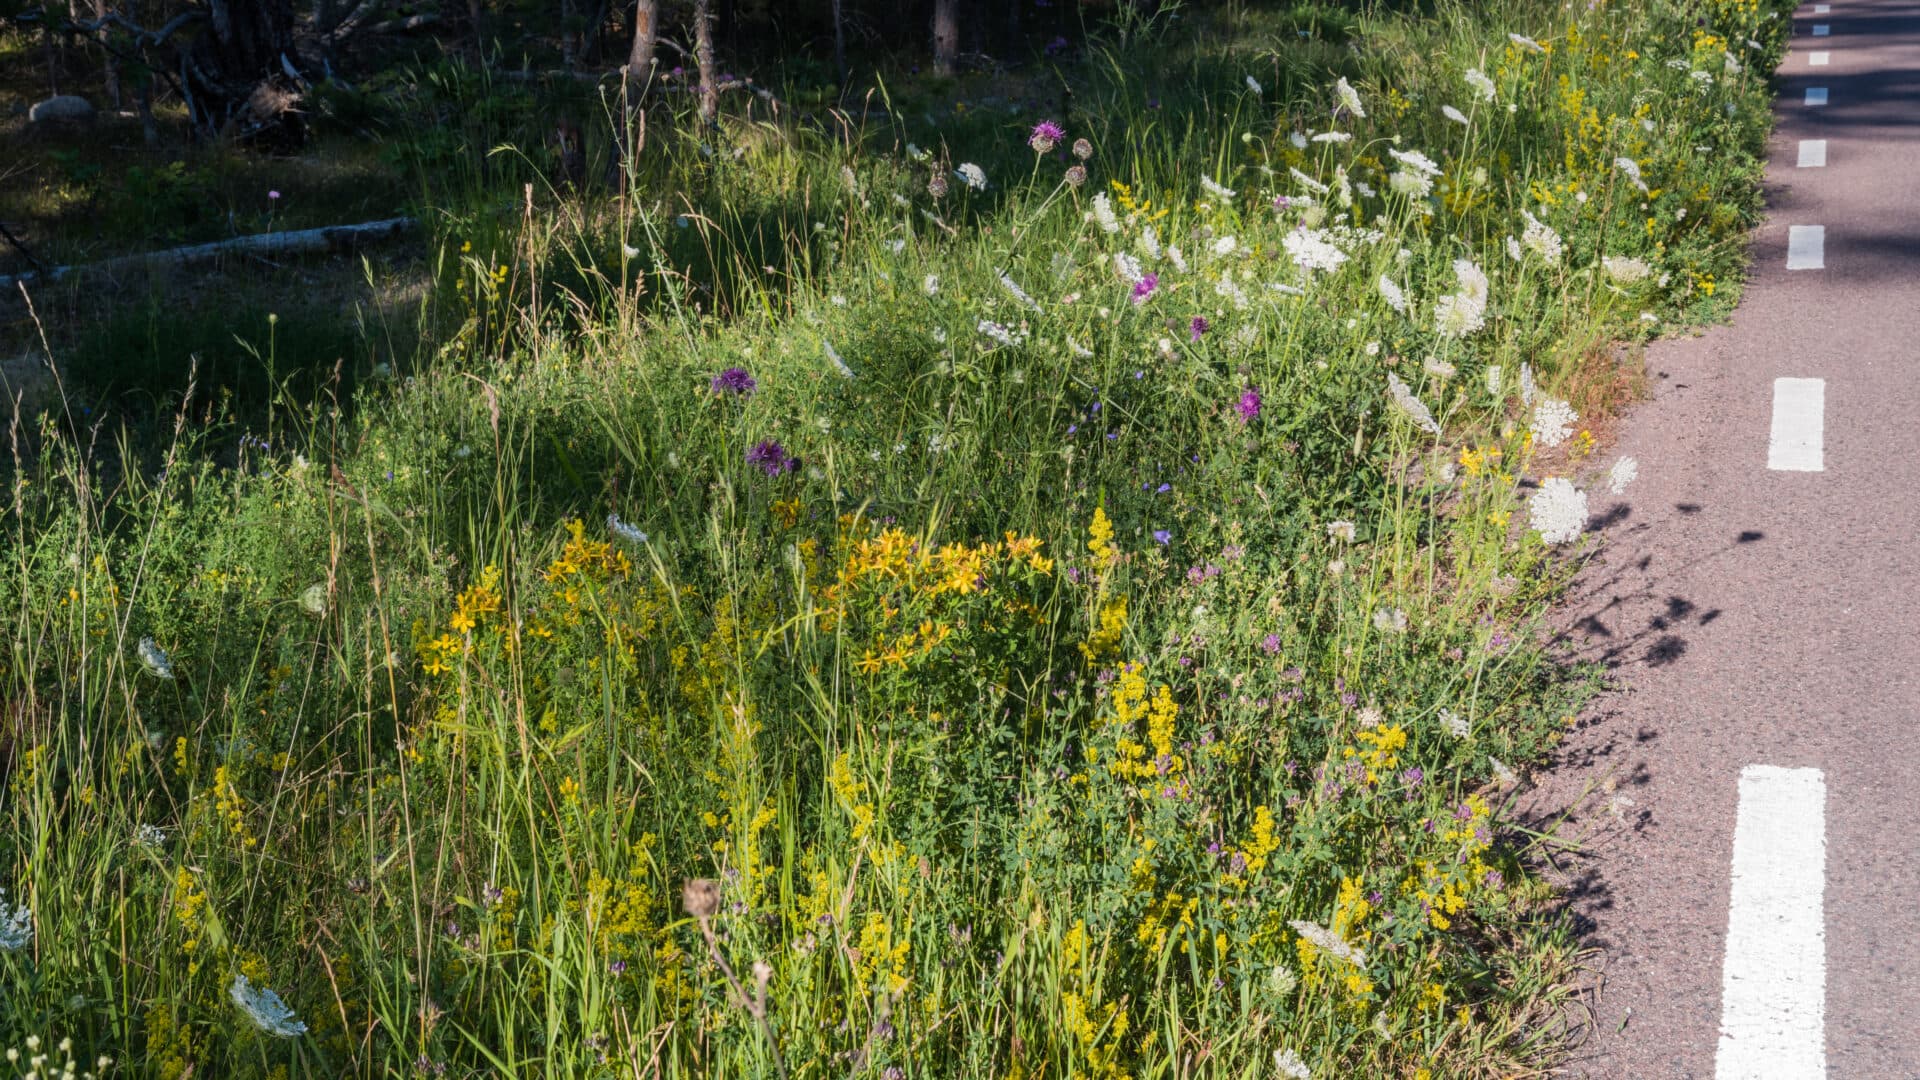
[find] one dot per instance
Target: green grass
(1036, 708)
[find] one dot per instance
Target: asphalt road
(1750, 863)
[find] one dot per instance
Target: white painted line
(1773, 990)
(1813, 153)
(1821, 30)
(1816, 95)
(1798, 440)
(1818, 59)
(1823, 9)
(1807, 247)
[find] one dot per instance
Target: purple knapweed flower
(1271, 644)
(734, 380)
(1046, 135)
(1197, 327)
(1248, 406)
(770, 457)
(1145, 287)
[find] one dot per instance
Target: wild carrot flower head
(974, 176)
(154, 659)
(770, 457)
(16, 925)
(1145, 287)
(1558, 511)
(1248, 406)
(265, 1009)
(734, 380)
(1046, 135)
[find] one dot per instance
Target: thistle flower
(973, 176)
(1046, 135)
(1311, 249)
(1103, 214)
(16, 925)
(1248, 406)
(770, 457)
(733, 380)
(1415, 409)
(1624, 472)
(1553, 421)
(1558, 511)
(1144, 288)
(154, 659)
(265, 1009)
(624, 531)
(1482, 85)
(1076, 175)
(1329, 942)
(1345, 97)
(1215, 189)
(1453, 114)
(1082, 149)
(1197, 328)
(1391, 293)
(937, 185)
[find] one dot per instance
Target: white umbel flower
(1456, 725)
(1307, 182)
(154, 659)
(1340, 530)
(313, 600)
(1019, 294)
(1333, 137)
(1526, 43)
(1416, 160)
(265, 1009)
(1453, 114)
(1253, 84)
(1624, 472)
(1540, 239)
(931, 286)
(1631, 168)
(1329, 942)
(1410, 182)
(974, 176)
(1287, 1064)
(1553, 421)
(1346, 97)
(1128, 268)
(1527, 387)
(1214, 188)
(1482, 86)
(1148, 242)
(1391, 293)
(1466, 310)
(1513, 250)
(838, 364)
(1103, 214)
(1415, 409)
(626, 532)
(1311, 250)
(1558, 511)
(1493, 380)
(1622, 270)
(16, 925)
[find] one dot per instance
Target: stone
(65, 107)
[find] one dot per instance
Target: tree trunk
(646, 35)
(840, 43)
(111, 73)
(240, 76)
(703, 51)
(946, 37)
(569, 49)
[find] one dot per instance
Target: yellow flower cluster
(1099, 1039)
(1154, 758)
(880, 955)
(1379, 749)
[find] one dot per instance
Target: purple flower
(1145, 287)
(1413, 776)
(274, 195)
(1248, 406)
(1046, 135)
(771, 457)
(1161, 536)
(734, 380)
(1197, 327)
(1271, 644)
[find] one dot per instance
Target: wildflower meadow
(1020, 592)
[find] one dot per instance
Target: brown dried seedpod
(700, 897)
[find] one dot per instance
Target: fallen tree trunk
(330, 239)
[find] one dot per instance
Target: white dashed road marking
(1813, 153)
(1807, 247)
(1821, 30)
(1798, 440)
(1818, 59)
(1816, 95)
(1773, 989)
(1822, 9)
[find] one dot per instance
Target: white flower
(1553, 421)
(1526, 43)
(1502, 775)
(1308, 182)
(998, 333)
(1208, 185)
(1414, 159)
(1148, 242)
(1310, 250)
(1329, 942)
(1466, 310)
(1297, 140)
(1527, 387)
(1437, 367)
(1623, 270)
(265, 1009)
(1333, 137)
(1347, 98)
(1104, 215)
(1493, 379)
(1412, 184)
(1127, 267)
(1513, 249)
(1230, 290)
(1340, 530)
(1632, 169)
(1624, 472)
(1453, 114)
(313, 600)
(1079, 350)
(1288, 1064)
(931, 286)
(974, 176)
(149, 835)
(1415, 409)
(1225, 245)
(625, 531)
(1456, 725)
(1391, 293)
(838, 364)
(154, 659)
(1365, 189)
(1540, 239)
(1253, 84)
(16, 925)
(1558, 511)
(1482, 85)
(1390, 621)
(1019, 294)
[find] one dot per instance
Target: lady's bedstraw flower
(154, 659)
(973, 176)
(265, 1009)
(1248, 406)
(16, 925)
(1347, 98)
(1558, 511)
(734, 380)
(771, 458)
(1046, 135)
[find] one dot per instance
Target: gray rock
(65, 107)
